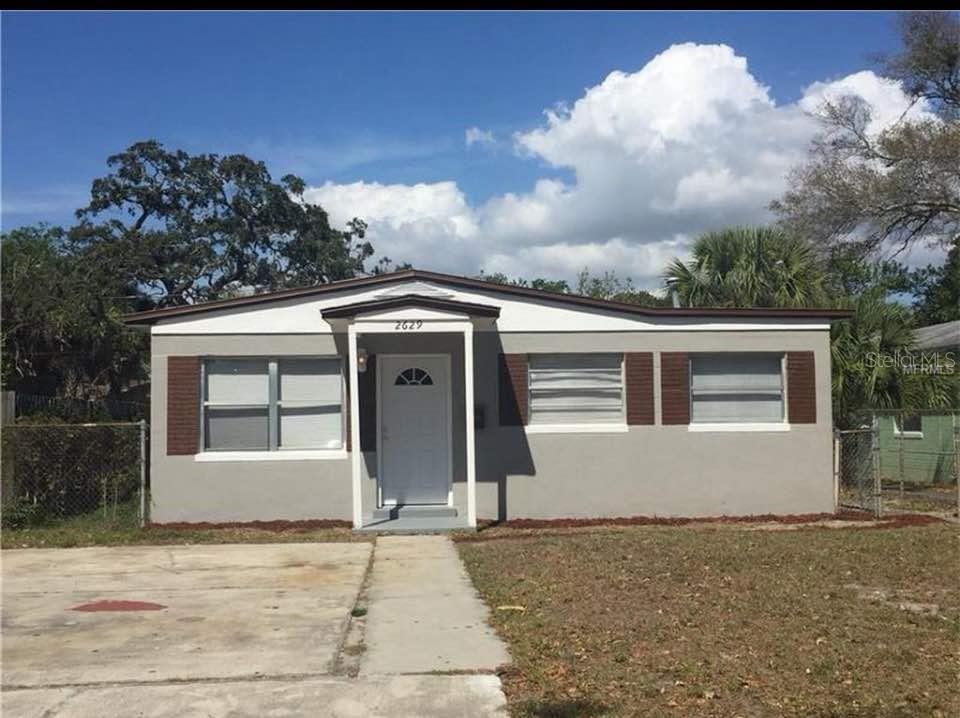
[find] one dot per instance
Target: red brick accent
(675, 387)
(801, 388)
(514, 384)
(183, 405)
(638, 376)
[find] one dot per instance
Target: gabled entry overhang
(409, 314)
(387, 305)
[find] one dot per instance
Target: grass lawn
(725, 621)
(86, 531)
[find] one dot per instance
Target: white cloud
(476, 136)
(430, 225)
(690, 142)
(887, 100)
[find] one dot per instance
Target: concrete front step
(414, 512)
(415, 525)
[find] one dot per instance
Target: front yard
(725, 620)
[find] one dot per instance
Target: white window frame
(741, 426)
(897, 431)
(274, 452)
(612, 427)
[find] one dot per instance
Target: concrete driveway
(218, 630)
(228, 611)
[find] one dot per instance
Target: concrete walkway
(247, 631)
(425, 615)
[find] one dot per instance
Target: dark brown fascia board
(154, 315)
(407, 300)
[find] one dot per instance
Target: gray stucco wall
(183, 489)
(654, 470)
(650, 470)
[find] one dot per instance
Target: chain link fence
(855, 467)
(85, 475)
(900, 463)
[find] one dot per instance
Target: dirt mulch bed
(278, 525)
(528, 528)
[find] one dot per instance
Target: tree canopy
(162, 228)
(608, 285)
(188, 228)
(61, 318)
(900, 185)
(937, 290)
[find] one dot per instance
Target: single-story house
(418, 393)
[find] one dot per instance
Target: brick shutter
(675, 387)
(801, 388)
(513, 389)
(368, 406)
(183, 405)
(638, 374)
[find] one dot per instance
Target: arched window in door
(413, 376)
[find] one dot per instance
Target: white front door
(414, 418)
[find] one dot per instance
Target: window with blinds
(576, 389)
(309, 404)
(736, 388)
(261, 404)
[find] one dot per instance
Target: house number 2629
(409, 325)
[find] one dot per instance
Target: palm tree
(749, 267)
(866, 352)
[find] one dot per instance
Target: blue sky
(380, 103)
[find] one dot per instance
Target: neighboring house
(918, 448)
(482, 400)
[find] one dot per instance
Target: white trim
(165, 328)
(900, 434)
(291, 455)
(301, 315)
(411, 313)
(355, 453)
(577, 428)
(379, 406)
(746, 425)
(273, 404)
(468, 401)
(749, 426)
(907, 434)
(449, 416)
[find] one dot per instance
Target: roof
(411, 300)
(938, 336)
(154, 315)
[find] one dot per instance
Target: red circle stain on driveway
(106, 605)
